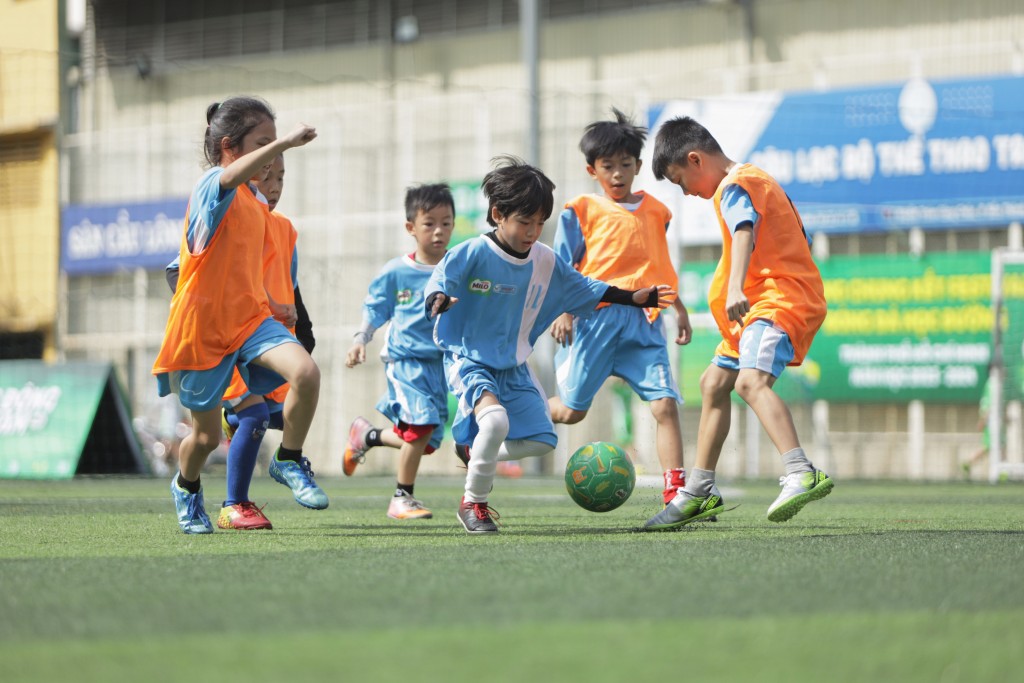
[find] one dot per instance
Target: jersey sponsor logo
(504, 289)
(480, 286)
(403, 296)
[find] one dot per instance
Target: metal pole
(995, 378)
(530, 31)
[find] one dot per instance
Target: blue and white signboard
(110, 237)
(928, 154)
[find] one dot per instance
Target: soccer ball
(599, 476)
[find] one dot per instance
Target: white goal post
(1004, 416)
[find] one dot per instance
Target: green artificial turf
(877, 582)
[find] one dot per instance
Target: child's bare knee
(664, 409)
(714, 385)
(574, 416)
(207, 439)
(307, 378)
(748, 384)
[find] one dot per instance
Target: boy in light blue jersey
(417, 398)
(494, 296)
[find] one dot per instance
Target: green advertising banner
(59, 420)
(470, 211)
(898, 328)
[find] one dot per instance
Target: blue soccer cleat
(298, 476)
(192, 516)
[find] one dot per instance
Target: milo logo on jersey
(403, 296)
(479, 286)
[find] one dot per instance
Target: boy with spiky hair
(619, 236)
(768, 304)
(417, 398)
(494, 296)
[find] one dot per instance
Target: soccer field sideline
(880, 581)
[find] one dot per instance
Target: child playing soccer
(220, 316)
(417, 397)
(619, 237)
(495, 295)
(768, 300)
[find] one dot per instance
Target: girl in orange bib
(220, 315)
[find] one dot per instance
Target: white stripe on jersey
(543, 264)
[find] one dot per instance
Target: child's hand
(737, 306)
(685, 330)
(356, 355)
(441, 303)
(299, 136)
(666, 295)
(284, 313)
(561, 329)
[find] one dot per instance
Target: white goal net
(1005, 390)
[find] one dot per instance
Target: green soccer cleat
(298, 476)
(797, 491)
(692, 510)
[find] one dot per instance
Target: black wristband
(624, 297)
(446, 303)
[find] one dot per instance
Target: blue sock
(242, 453)
(277, 420)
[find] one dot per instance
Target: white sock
(699, 483)
(492, 423)
(796, 462)
(517, 449)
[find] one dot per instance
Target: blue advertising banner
(110, 237)
(928, 154)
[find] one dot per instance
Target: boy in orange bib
(768, 300)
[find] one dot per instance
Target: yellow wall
(29, 218)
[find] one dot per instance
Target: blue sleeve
(295, 268)
(207, 206)
(580, 294)
(448, 273)
(171, 273)
(569, 244)
(378, 307)
(737, 208)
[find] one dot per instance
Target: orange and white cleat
(407, 507)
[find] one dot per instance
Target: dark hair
(426, 197)
(232, 119)
(514, 187)
(607, 138)
(678, 137)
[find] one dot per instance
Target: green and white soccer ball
(599, 476)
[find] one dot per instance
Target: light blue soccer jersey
(505, 303)
(396, 295)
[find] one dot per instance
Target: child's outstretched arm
(245, 167)
(648, 297)
(736, 303)
(439, 302)
(660, 296)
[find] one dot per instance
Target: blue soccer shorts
(417, 395)
(202, 390)
(619, 341)
(517, 389)
(763, 346)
